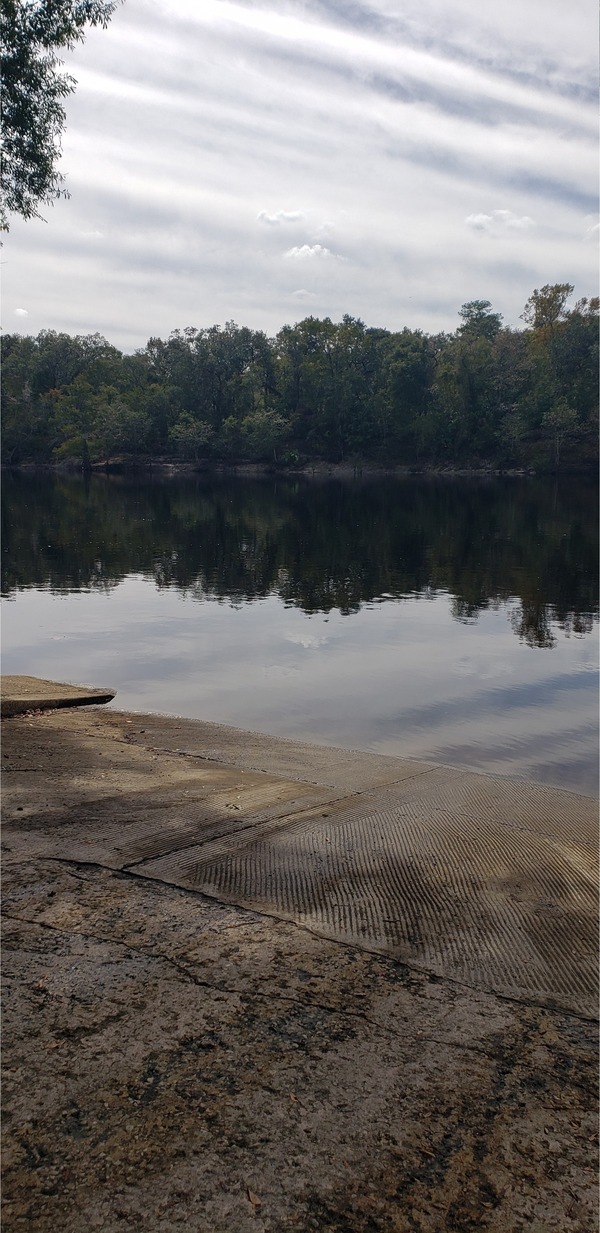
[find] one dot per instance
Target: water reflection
(374, 616)
(319, 546)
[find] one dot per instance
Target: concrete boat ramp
(258, 985)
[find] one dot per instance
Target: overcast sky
(265, 161)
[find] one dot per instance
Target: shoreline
(166, 468)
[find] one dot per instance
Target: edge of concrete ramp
(19, 694)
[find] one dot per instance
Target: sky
(261, 161)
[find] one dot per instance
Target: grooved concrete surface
(175, 1061)
(489, 881)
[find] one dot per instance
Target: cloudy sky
(265, 160)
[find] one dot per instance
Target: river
(453, 620)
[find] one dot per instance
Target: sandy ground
(171, 1061)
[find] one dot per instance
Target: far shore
(318, 469)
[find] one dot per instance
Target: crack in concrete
(126, 872)
(190, 976)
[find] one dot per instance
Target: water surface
(450, 620)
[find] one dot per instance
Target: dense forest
(337, 392)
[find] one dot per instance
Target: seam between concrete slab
(428, 768)
(283, 819)
(204, 757)
(333, 749)
(286, 818)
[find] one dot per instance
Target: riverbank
(195, 1038)
(164, 467)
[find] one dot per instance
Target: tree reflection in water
(318, 545)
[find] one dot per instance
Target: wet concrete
(175, 1059)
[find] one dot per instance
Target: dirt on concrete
(171, 1061)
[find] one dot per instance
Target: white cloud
(282, 216)
(302, 295)
(308, 252)
(498, 221)
(480, 222)
(21, 312)
(592, 230)
(506, 218)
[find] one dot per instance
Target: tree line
(337, 392)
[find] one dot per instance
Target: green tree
(576, 360)
(560, 424)
(546, 307)
(75, 418)
(329, 380)
(32, 91)
(60, 358)
(513, 369)
(108, 425)
(408, 367)
(263, 434)
(478, 321)
(561, 403)
(116, 425)
(189, 437)
(462, 426)
(217, 373)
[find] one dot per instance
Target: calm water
(453, 620)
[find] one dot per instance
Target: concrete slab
(19, 694)
(482, 879)
(476, 880)
(350, 770)
(174, 1063)
(173, 1060)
